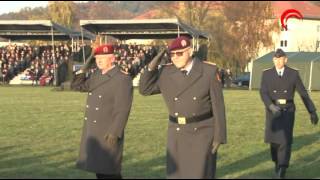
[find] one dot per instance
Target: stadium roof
(37, 30)
(142, 29)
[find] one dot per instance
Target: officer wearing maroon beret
(277, 91)
(197, 122)
(106, 114)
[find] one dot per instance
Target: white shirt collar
(189, 67)
(280, 70)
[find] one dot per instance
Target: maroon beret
(104, 49)
(181, 42)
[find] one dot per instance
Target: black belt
(184, 120)
(283, 101)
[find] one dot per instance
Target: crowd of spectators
(132, 58)
(36, 63)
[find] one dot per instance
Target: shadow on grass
(264, 156)
(150, 168)
(299, 169)
(16, 162)
(19, 162)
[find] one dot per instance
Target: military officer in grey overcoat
(277, 91)
(194, 98)
(106, 113)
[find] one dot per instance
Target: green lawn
(40, 135)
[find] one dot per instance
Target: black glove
(314, 118)
(156, 60)
(89, 62)
(215, 146)
(111, 139)
(276, 110)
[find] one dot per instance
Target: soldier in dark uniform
(278, 86)
(197, 124)
(107, 110)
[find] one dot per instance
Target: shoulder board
(168, 64)
(124, 72)
(267, 69)
(210, 63)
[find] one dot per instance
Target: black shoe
(276, 168)
(282, 173)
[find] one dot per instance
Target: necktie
(184, 72)
(280, 75)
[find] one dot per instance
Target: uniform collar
(189, 67)
(281, 70)
(101, 79)
(186, 81)
(111, 72)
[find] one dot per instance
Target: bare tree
(250, 24)
(238, 30)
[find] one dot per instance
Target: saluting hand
(89, 62)
(314, 118)
(156, 60)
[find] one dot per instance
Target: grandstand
(47, 64)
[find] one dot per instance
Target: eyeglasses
(172, 54)
(179, 54)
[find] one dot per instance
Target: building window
(318, 28)
(284, 43)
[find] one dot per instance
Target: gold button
(85, 118)
(100, 96)
(194, 98)
(178, 129)
(275, 91)
(175, 99)
(176, 114)
(195, 129)
(87, 106)
(90, 94)
(94, 121)
(97, 109)
(285, 91)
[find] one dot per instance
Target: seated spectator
(46, 78)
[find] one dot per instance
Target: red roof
(147, 15)
(307, 9)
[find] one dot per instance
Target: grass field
(40, 134)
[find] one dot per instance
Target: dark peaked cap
(279, 53)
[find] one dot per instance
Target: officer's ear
(285, 60)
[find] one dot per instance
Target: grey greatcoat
(189, 145)
(106, 112)
(280, 130)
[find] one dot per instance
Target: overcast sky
(15, 6)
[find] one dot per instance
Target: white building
(302, 35)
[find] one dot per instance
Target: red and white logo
(183, 43)
(289, 13)
(105, 50)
